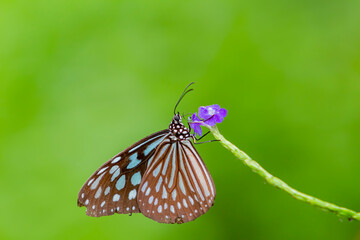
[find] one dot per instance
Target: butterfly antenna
(182, 95)
(187, 114)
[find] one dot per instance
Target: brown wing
(114, 186)
(177, 187)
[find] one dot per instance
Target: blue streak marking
(134, 161)
(167, 159)
(181, 184)
(153, 146)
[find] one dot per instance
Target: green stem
(278, 183)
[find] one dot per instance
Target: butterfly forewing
(176, 187)
(114, 186)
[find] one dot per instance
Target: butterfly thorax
(178, 129)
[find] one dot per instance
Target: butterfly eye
(177, 118)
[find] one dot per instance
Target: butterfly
(161, 176)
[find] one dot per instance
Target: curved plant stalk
(278, 183)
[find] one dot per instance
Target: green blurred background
(82, 80)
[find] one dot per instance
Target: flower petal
(222, 112)
(211, 121)
(218, 118)
(197, 128)
(209, 115)
(216, 107)
(204, 113)
(195, 118)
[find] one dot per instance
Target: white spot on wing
(173, 166)
(116, 197)
(103, 203)
(98, 192)
(158, 184)
(185, 203)
(103, 169)
(107, 190)
(96, 182)
(157, 170)
(115, 160)
(120, 183)
(136, 178)
(174, 194)
(151, 199)
(147, 191)
(164, 193)
(113, 169)
(191, 200)
(181, 185)
(90, 181)
(167, 160)
(144, 186)
(159, 209)
(115, 175)
(132, 194)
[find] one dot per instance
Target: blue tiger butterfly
(162, 176)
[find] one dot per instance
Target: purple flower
(196, 124)
(208, 115)
(212, 114)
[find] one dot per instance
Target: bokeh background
(82, 80)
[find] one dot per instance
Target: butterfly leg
(184, 115)
(197, 139)
(215, 140)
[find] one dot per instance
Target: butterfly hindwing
(114, 186)
(176, 187)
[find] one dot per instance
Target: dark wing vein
(182, 191)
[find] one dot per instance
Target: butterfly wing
(176, 187)
(114, 186)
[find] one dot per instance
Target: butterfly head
(178, 129)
